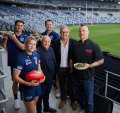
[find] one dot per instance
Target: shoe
(74, 106)
(57, 92)
(61, 105)
(16, 104)
(50, 110)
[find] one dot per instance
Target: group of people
(55, 56)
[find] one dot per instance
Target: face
(83, 32)
(49, 26)
(19, 27)
(64, 32)
(46, 41)
(31, 46)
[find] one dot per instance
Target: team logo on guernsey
(28, 61)
(51, 37)
(88, 51)
(35, 58)
(28, 97)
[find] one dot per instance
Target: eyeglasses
(64, 32)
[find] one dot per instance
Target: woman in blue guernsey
(28, 61)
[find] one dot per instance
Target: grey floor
(53, 101)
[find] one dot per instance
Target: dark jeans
(84, 93)
(46, 88)
(66, 86)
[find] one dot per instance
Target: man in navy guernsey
(14, 43)
(87, 52)
(49, 31)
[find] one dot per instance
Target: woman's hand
(33, 83)
(42, 80)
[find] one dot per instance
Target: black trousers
(66, 85)
(46, 88)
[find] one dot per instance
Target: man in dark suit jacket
(48, 66)
(62, 49)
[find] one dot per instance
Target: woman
(26, 62)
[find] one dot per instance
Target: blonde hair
(28, 39)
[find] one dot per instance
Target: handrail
(108, 85)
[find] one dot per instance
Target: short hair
(28, 39)
(48, 20)
(83, 25)
(19, 21)
(64, 26)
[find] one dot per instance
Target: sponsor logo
(88, 51)
(38, 73)
(28, 61)
(21, 39)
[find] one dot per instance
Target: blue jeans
(84, 93)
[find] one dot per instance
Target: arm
(39, 69)
(16, 78)
(94, 64)
(4, 43)
(20, 45)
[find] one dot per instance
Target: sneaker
(57, 92)
(16, 104)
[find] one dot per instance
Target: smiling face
(49, 26)
(46, 41)
(64, 32)
(83, 32)
(19, 27)
(30, 44)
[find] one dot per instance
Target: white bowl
(79, 68)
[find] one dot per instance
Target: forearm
(21, 81)
(39, 68)
(97, 63)
(4, 43)
(20, 45)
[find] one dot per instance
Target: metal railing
(108, 85)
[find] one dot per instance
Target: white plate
(7, 32)
(78, 68)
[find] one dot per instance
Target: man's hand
(12, 36)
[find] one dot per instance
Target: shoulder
(35, 54)
(43, 33)
(92, 43)
(57, 41)
(24, 35)
(72, 40)
(55, 33)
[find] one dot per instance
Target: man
(48, 65)
(62, 48)
(50, 32)
(53, 35)
(14, 43)
(87, 52)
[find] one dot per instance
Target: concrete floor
(53, 101)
